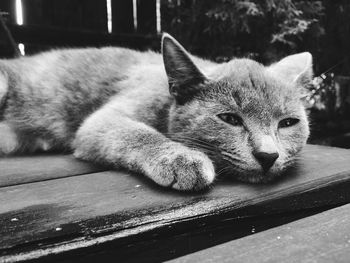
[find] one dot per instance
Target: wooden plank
(323, 237)
(20, 170)
(122, 16)
(86, 212)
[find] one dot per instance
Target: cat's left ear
(296, 69)
(183, 75)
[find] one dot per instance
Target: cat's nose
(266, 159)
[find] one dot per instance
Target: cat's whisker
(199, 147)
(224, 170)
(177, 136)
(196, 143)
(208, 149)
(179, 139)
(231, 161)
(230, 156)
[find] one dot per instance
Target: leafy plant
(263, 29)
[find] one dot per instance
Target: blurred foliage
(322, 94)
(334, 46)
(328, 105)
(262, 29)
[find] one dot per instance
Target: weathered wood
(79, 213)
(323, 237)
(19, 170)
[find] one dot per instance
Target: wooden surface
(54, 216)
(320, 238)
(19, 170)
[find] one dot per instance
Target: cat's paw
(185, 170)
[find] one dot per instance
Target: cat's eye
(231, 119)
(287, 122)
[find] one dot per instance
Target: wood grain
(320, 238)
(20, 170)
(59, 216)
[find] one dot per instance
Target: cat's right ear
(295, 68)
(183, 75)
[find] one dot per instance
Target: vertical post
(158, 16)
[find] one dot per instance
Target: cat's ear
(296, 68)
(183, 75)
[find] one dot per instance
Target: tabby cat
(178, 119)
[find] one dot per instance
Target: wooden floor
(57, 208)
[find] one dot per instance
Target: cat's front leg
(108, 137)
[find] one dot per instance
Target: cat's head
(248, 118)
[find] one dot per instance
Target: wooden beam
(111, 211)
(320, 238)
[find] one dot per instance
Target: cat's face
(248, 118)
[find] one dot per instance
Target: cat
(176, 118)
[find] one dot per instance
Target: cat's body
(113, 106)
(55, 91)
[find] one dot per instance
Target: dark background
(265, 30)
